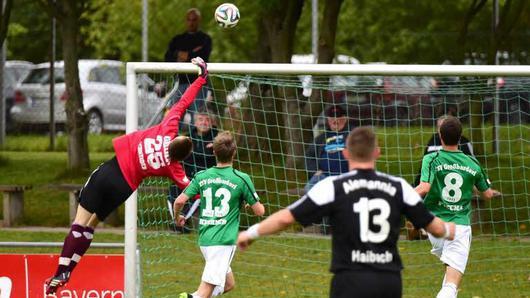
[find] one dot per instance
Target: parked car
(104, 96)
(14, 72)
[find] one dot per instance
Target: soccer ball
(227, 15)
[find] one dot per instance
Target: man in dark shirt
(324, 156)
(184, 47)
(365, 208)
(202, 134)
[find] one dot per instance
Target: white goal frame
(133, 68)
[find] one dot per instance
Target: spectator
(202, 134)
(324, 156)
(182, 48)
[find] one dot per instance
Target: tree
(68, 14)
(302, 115)
(5, 13)
(276, 27)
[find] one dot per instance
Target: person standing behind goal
(223, 190)
(447, 179)
(364, 207)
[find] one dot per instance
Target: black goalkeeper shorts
(366, 284)
(105, 190)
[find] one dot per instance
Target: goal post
(235, 72)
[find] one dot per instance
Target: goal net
(276, 117)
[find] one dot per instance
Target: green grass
(41, 142)
(294, 266)
(402, 151)
(297, 266)
(43, 206)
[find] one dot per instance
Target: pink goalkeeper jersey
(145, 153)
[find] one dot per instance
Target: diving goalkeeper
(155, 151)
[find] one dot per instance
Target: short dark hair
(224, 147)
(335, 112)
(179, 148)
(361, 143)
(451, 130)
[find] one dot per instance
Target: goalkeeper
(155, 151)
(447, 180)
(223, 190)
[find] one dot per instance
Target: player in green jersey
(448, 179)
(223, 191)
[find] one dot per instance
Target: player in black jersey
(364, 207)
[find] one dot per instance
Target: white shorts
(453, 252)
(218, 259)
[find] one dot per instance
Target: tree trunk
(76, 119)
(254, 105)
(300, 116)
(276, 31)
(4, 21)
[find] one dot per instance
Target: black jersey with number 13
(364, 207)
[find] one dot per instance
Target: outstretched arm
(273, 224)
(423, 188)
(490, 193)
(176, 112)
(440, 229)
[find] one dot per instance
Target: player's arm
(190, 191)
(423, 188)
(273, 224)
(181, 200)
(483, 185)
(176, 112)
(258, 208)
(490, 193)
(416, 212)
(307, 210)
(251, 196)
(426, 176)
(441, 229)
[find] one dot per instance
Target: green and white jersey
(223, 191)
(452, 175)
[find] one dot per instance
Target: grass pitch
(297, 266)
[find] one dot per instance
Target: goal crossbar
(336, 69)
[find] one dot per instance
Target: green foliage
(115, 29)
(43, 206)
(394, 31)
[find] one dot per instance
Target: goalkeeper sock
(88, 235)
(71, 242)
(449, 290)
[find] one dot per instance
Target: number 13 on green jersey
(223, 190)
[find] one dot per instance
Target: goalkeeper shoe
(54, 283)
(185, 295)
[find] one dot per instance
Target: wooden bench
(13, 202)
(73, 194)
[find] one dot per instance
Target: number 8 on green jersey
(452, 175)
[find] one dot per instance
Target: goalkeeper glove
(203, 70)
